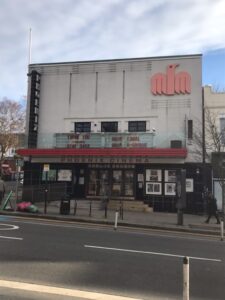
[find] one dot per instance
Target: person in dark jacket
(2, 190)
(211, 208)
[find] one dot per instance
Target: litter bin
(65, 205)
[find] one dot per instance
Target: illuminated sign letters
(171, 83)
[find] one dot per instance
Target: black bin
(65, 205)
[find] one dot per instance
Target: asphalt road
(138, 264)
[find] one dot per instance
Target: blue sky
(72, 30)
(214, 69)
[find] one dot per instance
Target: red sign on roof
(171, 83)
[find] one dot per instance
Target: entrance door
(104, 183)
(79, 183)
(123, 183)
(140, 185)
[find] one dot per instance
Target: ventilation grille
(80, 68)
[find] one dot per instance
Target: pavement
(191, 223)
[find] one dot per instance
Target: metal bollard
(116, 220)
(90, 208)
(75, 207)
(46, 196)
(106, 211)
(222, 229)
(185, 278)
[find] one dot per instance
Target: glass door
(128, 183)
(117, 183)
(103, 182)
(92, 184)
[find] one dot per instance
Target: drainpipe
(203, 149)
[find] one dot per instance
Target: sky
(75, 30)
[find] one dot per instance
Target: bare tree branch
(12, 122)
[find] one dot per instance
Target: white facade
(118, 90)
(215, 107)
(215, 102)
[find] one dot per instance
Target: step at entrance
(130, 205)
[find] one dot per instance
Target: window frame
(82, 126)
(190, 129)
(111, 125)
(222, 130)
(137, 126)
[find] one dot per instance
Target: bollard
(222, 228)
(106, 210)
(75, 208)
(90, 208)
(46, 196)
(121, 210)
(179, 217)
(116, 220)
(185, 278)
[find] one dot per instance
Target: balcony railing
(109, 140)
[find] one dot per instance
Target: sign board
(65, 175)
(46, 168)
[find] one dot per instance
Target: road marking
(142, 231)
(152, 253)
(61, 291)
(10, 237)
(8, 226)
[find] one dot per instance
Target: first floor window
(222, 130)
(109, 126)
(190, 129)
(82, 126)
(137, 126)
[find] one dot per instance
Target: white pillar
(185, 278)
(116, 220)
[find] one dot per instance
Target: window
(222, 130)
(109, 126)
(49, 176)
(135, 126)
(190, 129)
(82, 126)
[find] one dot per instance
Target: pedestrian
(211, 208)
(2, 190)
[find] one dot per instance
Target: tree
(214, 137)
(211, 143)
(12, 123)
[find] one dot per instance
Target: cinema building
(116, 127)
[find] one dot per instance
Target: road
(125, 262)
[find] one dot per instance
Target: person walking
(2, 190)
(211, 208)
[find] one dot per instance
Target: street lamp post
(223, 191)
(181, 195)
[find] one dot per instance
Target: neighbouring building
(214, 108)
(9, 163)
(120, 128)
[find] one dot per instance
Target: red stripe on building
(156, 152)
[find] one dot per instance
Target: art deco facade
(117, 127)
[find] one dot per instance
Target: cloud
(70, 30)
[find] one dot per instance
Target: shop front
(148, 177)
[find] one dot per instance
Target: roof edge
(118, 60)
